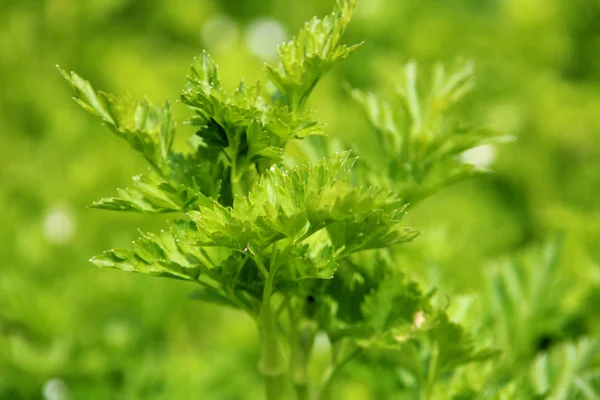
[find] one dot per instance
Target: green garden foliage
(353, 224)
(419, 141)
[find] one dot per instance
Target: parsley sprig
(301, 250)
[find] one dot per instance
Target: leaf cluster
(420, 142)
(301, 249)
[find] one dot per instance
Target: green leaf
(372, 231)
(314, 257)
(211, 295)
(311, 53)
(398, 322)
(213, 107)
(151, 194)
(568, 371)
(435, 349)
(158, 255)
(357, 276)
(422, 147)
(381, 117)
(298, 203)
(248, 128)
(532, 278)
(393, 305)
(456, 347)
(203, 172)
(204, 75)
(173, 254)
(148, 129)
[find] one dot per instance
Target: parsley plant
(307, 249)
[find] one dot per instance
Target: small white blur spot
(481, 156)
(55, 389)
(368, 9)
(59, 225)
(419, 319)
(322, 344)
(219, 32)
(263, 37)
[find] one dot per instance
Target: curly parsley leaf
(148, 129)
(310, 54)
(421, 145)
(151, 194)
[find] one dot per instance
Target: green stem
(272, 361)
(302, 392)
(332, 371)
(274, 387)
(431, 373)
(302, 337)
(236, 189)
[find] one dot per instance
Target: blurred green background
(69, 330)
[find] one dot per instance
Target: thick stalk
(302, 341)
(272, 361)
(235, 180)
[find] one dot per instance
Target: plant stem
(302, 337)
(332, 371)
(302, 392)
(431, 373)
(272, 362)
(235, 180)
(274, 387)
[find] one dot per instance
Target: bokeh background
(70, 330)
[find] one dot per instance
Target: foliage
(142, 338)
(420, 143)
(310, 54)
(275, 231)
